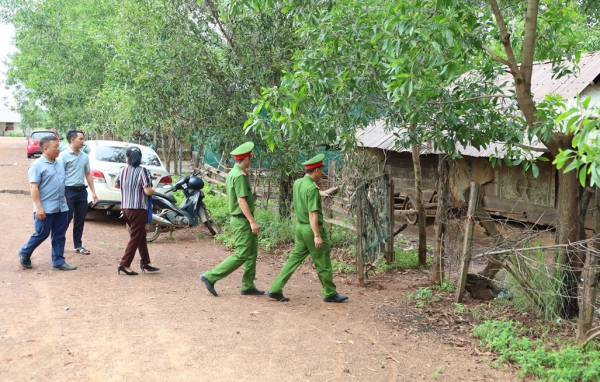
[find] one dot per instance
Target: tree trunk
(438, 273)
(285, 196)
(416, 151)
(568, 217)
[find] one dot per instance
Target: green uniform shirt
(238, 186)
(307, 199)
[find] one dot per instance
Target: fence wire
(535, 274)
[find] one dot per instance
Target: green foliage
(446, 286)
(217, 205)
(545, 282)
(342, 266)
(373, 59)
(275, 229)
(423, 296)
(343, 239)
(510, 341)
(584, 122)
(403, 259)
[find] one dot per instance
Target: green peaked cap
(243, 148)
(314, 160)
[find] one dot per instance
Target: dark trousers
(56, 224)
(137, 237)
(77, 202)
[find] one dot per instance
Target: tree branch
(539, 150)
(511, 60)
(529, 40)
(495, 56)
(469, 99)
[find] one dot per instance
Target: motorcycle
(168, 217)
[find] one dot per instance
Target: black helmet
(195, 183)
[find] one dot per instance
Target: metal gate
(375, 224)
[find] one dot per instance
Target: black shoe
(123, 269)
(278, 296)
(64, 267)
(210, 286)
(253, 292)
(336, 298)
(149, 268)
(25, 262)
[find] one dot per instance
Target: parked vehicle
(33, 141)
(167, 216)
(106, 159)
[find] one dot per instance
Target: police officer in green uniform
(310, 235)
(245, 229)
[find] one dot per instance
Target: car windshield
(117, 155)
(41, 134)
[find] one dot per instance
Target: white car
(106, 159)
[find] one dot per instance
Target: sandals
(82, 250)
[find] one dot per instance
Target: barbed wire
(530, 265)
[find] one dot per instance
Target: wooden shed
(507, 190)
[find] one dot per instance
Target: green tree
(400, 60)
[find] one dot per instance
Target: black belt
(76, 188)
(241, 216)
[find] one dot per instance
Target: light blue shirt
(51, 183)
(76, 166)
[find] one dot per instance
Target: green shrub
(342, 267)
(342, 238)
(510, 341)
(546, 282)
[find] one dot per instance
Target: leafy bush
(342, 266)
(343, 238)
(545, 280)
(510, 341)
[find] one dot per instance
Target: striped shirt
(132, 181)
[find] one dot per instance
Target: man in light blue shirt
(47, 185)
(77, 171)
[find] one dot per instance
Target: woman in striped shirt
(136, 186)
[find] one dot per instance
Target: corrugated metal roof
(376, 135)
(543, 83)
(379, 135)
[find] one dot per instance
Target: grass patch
(510, 340)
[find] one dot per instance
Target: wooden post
(437, 269)
(389, 244)
(588, 297)
(359, 236)
(468, 243)
(590, 283)
(332, 174)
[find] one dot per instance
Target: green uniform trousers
(304, 244)
(246, 252)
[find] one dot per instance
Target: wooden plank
(340, 223)
(468, 242)
(389, 245)
(529, 213)
(359, 245)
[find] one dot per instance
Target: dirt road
(94, 325)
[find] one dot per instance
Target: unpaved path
(93, 325)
